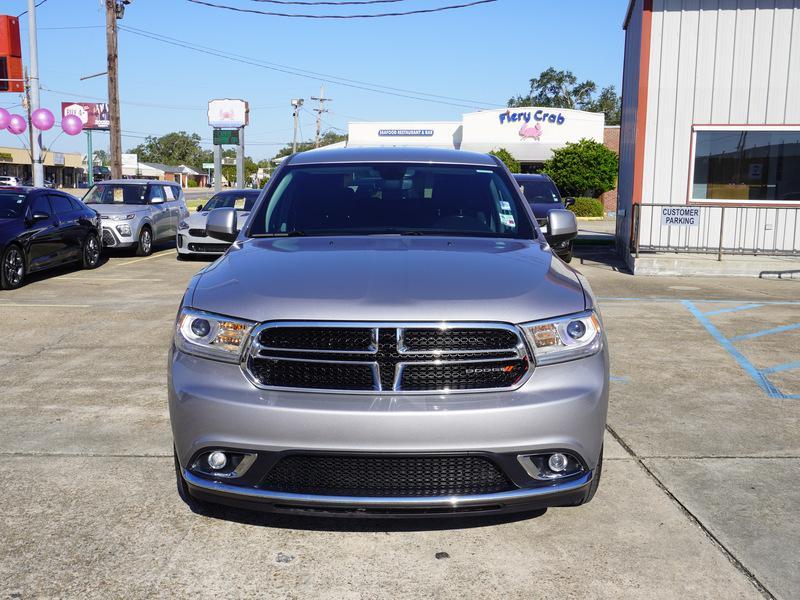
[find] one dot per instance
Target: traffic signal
(10, 55)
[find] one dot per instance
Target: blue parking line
(784, 367)
(755, 334)
(763, 382)
(698, 301)
(732, 309)
(618, 378)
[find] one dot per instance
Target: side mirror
(199, 207)
(569, 201)
(221, 224)
(39, 216)
(156, 201)
(562, 226)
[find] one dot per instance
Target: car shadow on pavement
(602, 256)
(67, 269)
(371, 524)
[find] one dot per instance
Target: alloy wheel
(146, 241)
(14, 266)
(92, 251)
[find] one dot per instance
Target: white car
(192, 239)
(7, 180)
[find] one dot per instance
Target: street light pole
(296, 104)
(37, 167)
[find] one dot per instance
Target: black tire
(595, 480)
(145, 245)
(567, 258)
(182, 257)
(90, 256)
(195, 505)
(13, 268)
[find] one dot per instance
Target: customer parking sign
(685, 216)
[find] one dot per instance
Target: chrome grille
(386, 357)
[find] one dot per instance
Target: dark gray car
(390, 334)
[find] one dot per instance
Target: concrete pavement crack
(694, 519)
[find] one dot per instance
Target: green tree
(509, 160)
(329, 137)
(176, 148)
(101, 158)
(561, 89)
(585, 168)
(607, 102)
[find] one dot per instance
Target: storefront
(710, 135)
(65, 169)
(530, 134)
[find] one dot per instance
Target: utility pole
(296, 104)
(319, 110)
(32, 95)
(26, 104)
(114, 10)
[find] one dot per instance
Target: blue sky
(486, 54)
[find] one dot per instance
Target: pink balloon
(17, 124)
(5, 117)
(42, 119)
(72, 124)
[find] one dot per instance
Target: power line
(25, 12)
(327, 3)
(418, 11)
(332, 79)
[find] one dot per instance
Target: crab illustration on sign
(528, 132)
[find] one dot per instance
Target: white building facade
(530, 134)
(710, 135)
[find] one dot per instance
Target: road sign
(228, 161)
(229, 137)
(208, 165)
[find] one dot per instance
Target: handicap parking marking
(732, 309)
(760, 376)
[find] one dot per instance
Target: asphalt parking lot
(699, 493)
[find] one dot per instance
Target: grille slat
(375, 476)
(389, 358)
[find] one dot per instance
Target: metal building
(710, 135)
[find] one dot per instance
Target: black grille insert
(386, 476)
(385, 358)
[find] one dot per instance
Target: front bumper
(196, 245)
(111, 238)
(560, 407)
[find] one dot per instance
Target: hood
(540, 210)
(388, 278)
(199, 219)
(116, 209)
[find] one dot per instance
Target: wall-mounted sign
(405, 132)
(540, 115)
(226, 137)
(686, 216)
(6, 156)
(58, 158)
(93, 115)
(228, 113)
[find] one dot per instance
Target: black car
(542, 196)
(42, 228)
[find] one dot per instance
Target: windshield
(237, 200)
(11, 204)
(104, 193)
(540, 192)
(392, 198)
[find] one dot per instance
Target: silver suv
(137, 213)
(390, 333)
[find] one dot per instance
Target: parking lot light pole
(89, 158)
(37, 167)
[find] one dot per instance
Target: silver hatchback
(390, 334)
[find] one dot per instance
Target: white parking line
(130, 262)
(33, 305)
(103, 279)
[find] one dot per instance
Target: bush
(509, 160)
(586, 168)
(192, 183)
(588, 207)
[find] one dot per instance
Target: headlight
(212, 336)
(128, 217)
(124, 230)
(565, 338)
(183, 225)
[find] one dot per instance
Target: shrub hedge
(587, 207)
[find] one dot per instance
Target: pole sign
(93, 115)
(228, 113)
(208, 166)
(226, 137)
(686, 216)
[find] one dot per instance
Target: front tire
(145, 245)
(195, 505)
(595, 480)
(13, 268)
(91, 252)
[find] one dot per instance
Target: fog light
(217, 460)
(557, 462)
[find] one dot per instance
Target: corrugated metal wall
(717, 62)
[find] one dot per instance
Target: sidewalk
(731, 265)
(596, 233)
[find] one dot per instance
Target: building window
(746, 165)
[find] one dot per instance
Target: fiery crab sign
(93, 115)
(228, 114)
